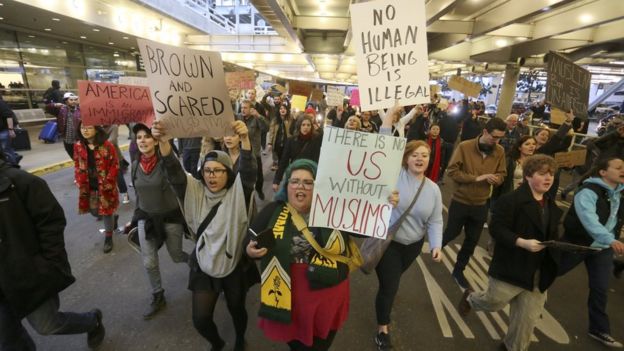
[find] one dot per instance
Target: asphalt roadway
(424, 315)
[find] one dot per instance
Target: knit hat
(302, 163)
(224, 159)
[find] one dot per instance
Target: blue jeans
(599, 267)
(7, 148)
(46, 320)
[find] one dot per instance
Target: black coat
(33, 261)
(295, 149)
(518, 214)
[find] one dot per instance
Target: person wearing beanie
(215, 208)
(96, 167)
(303, 300)
(157, 215)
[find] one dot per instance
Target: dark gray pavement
(424, 315)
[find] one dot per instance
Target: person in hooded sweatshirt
(215, 208)
(595, 219)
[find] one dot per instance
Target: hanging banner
(127, 80)
(296, 87)
(335, 95)
(355, 98)
(465, 86)
(188, 90)
(107, 104)
(356, 174)
(391, 52)
(568, 85)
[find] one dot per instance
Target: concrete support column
(508, 91)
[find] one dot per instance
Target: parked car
(490, 110)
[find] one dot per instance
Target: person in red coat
(96, 167)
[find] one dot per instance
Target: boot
(158, 303)
(96, 336)
(108, 244)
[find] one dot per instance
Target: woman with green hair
(304, 294)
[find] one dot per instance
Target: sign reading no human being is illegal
(356, 174)
(188, 90)
(391, 52)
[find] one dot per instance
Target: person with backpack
(34, 267)
(7, 132)
(595, 219)
(216, 209)
(157, 214)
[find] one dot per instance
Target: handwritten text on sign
(357, 172)
(106, 104)
(335, 95)
(568, 85)
(391, 52)
(188, 89)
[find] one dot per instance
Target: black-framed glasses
(215, 171)
(307, 184)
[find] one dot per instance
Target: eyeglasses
(307, 184)
(214, 172)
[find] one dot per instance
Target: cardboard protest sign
(240, 80)
(106, 103)
(279, 88)
(465, 86)
(335, 95)
(435, 89)
(568, 85)
(298, 102)
(188, 90)
(296, 87)
(391, 52)
(571, 158)
(141, 81)
(557, 116)
(355, 98)
(317, 95)
(356, 174)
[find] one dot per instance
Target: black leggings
(396, 260)
(204, 303)
(318, 344)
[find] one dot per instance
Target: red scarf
(433, 172)
(148, 163)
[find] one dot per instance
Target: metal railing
(203, 8)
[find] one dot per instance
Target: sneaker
(96, 336)
(125, 199)
(460, 279)
(383, 341)
(108, 244)
(606, 340)
(464, 306)
(157, 304)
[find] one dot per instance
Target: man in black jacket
(522, 268)
(34, 266)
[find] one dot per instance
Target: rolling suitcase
(49, 132)
(21, 141)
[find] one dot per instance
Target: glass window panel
(8, 46)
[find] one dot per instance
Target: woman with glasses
(304, 297)
(215, 208)
(157, 214)
(95, 170)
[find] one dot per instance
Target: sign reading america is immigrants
(107, 104)
(188, 90)
(391, 52)
(357, 173)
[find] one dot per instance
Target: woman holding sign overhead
(215, 208)
(304, 294)
(419, 212)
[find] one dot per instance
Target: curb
(40, 171)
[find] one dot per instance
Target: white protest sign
(188, 90)
(335, 95)
(391, 52)
(140, 81)
(357, 173)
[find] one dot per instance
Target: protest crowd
(354, 190)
